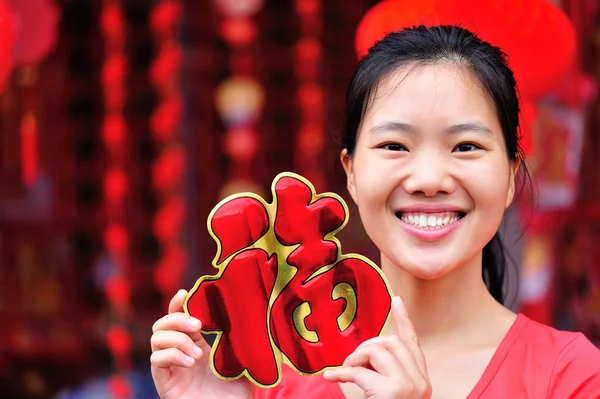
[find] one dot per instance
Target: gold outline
(279, 249)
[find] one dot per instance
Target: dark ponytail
(494, 267)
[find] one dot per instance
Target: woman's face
(429, 173)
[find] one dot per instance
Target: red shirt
(532, 361)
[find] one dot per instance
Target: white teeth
(428, 221)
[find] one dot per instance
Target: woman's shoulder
(556, 342)
(570, 361)
(294, 385)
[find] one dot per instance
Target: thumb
(405, 330)
(398, 314)
(176, 304)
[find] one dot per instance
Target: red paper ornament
(287, 249)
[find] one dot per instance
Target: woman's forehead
(432, 87)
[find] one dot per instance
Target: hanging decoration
(115, 189)
(239, 98)
(36, 23)
(310, 96)
(29, 31)
(8, 33)
(169, 168)
(537, 36)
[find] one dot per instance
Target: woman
(431, 154)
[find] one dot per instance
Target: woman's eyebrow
(393, 126)
(468, 127)
(408, 128)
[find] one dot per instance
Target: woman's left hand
(390, 367)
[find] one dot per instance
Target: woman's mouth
(430, 220)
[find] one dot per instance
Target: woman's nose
(429, 174)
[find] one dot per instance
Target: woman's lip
(430, 234)
(430, 209)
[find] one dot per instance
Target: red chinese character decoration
(284, 292)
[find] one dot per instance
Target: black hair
(422, 45)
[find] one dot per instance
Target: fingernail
(194, 323)
(180, 292)
(196, 351)
(399, 305)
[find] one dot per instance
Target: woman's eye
(393, 147)
(466, 147)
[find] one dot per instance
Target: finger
(406, 332)
(176, 304)
(367, 380)
(378, 358)
(179, 322)
(162, 361)
(402, 356)
(175, 339)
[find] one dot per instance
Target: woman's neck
(453, 309)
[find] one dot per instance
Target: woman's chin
(427, 266)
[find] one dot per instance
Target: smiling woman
(431, 154)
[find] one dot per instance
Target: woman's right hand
(180, 360)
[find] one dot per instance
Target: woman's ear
(347, 163)
(514, 168)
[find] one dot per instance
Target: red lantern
(537, 36)
(391, 15)
(38, 22)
